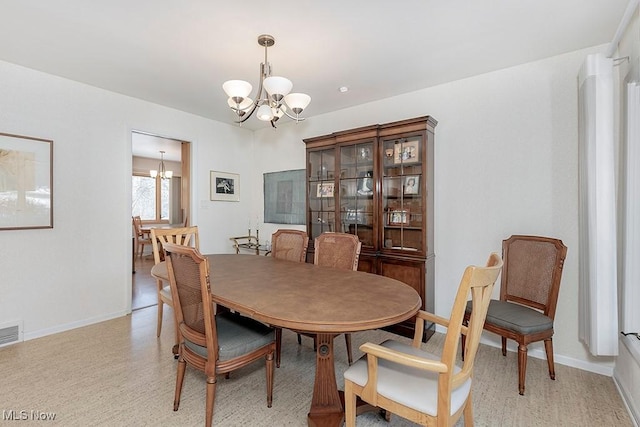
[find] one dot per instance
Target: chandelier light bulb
(264, 113)
(297, 101)
(237, 89)
(277, 87)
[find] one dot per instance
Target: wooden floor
(144, 291)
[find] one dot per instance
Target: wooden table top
(306, 297)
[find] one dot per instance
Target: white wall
(79, 272)
(506, 163)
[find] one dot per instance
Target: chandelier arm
(297, 119)
(246, 116)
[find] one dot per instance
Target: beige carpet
(117, 373)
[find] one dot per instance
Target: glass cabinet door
(321, 192)
(402, 194)
(357, 187)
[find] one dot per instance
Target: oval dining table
(309, 298)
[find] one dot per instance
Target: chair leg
(468, 412)
(522, 367)
(350, 405)
(176, 346)
(278, 346)
(210, 399)
(504, 346)
(160, 314)
(182, 365)
(548, 346)
(269, 363)
(347, 341)
(299, 340)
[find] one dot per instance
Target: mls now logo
(23, 415)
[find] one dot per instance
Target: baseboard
(73, 325)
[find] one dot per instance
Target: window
(150, 198)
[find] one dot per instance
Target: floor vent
(10, 333)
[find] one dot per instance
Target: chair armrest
(433, 318)
(376, 351)
(430, 317)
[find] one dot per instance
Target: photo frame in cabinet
(354, 216)
(406, 152)
(365, 183)
(398, 217)
(411, 184)
(26, 182)
(325, 189)
(224, 186)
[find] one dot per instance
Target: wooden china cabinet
(377, 182)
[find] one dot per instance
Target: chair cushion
(237, 335)
(516, 317)
(411, 387)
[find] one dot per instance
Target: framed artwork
(325, 189)
(26, 182)
(284, 197)
(411, 184)
(398, 217)
(406, 152)
(224, 186)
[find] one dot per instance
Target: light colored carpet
(117, 373)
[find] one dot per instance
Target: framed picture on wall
(26, 182)
(224, 186)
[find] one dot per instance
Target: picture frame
(406, 152)
(285, 197)
(224, 186)
(398, 217)
(325, 189)
(411, 185)
(26, 182)
(354, 216)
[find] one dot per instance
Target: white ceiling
(178, 53)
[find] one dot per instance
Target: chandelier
(273, 99)
(162, 171)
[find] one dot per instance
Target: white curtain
(630, 232)
(598, 305)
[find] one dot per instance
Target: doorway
(158, 199)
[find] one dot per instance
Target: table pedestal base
(327, 405)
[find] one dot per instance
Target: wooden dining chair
(337, 250)
(290, 245)
(214, 342)
(186, 236)
(528, 296)
(427, 389)
(141, 237)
